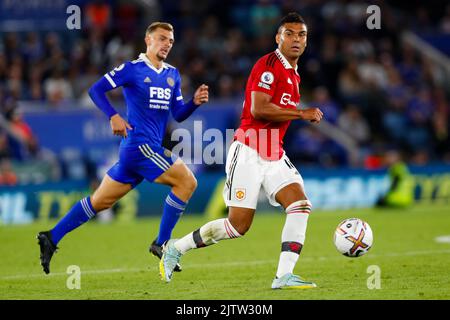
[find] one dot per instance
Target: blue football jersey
(150, 94)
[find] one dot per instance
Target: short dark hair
(291, 17)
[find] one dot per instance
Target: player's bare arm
(263, 109)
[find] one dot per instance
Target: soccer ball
(353, 237)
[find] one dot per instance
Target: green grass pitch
(115, 263)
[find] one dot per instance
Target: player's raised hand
(119, 126)
(201, 95)
(313, 114)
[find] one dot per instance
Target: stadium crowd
(377, 89)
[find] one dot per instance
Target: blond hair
(158, 24)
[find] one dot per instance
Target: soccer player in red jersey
(256, 158)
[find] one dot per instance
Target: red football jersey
(273, 75)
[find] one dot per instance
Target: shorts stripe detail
(228, 230)
(174, 204)
(86, 208)
(232, 168)
(150, 155)
(110, 80)
(159, 157)
(288, 164)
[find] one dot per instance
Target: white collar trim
(144, 58)
(284, 61)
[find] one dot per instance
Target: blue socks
(81, 212)
(173, 209)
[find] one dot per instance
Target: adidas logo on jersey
(289, 81)
(147, 80)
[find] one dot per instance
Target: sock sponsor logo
(291, 246)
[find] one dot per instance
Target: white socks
(208, 234)
(293, 235)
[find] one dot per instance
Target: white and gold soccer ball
(353, 237)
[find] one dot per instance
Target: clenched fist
(313, 114)
(201, 95)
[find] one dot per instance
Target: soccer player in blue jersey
(152, 90)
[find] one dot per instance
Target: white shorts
(247, 172)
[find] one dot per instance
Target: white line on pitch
(223, 264)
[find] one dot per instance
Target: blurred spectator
(264, 15)
(445, 21)
(4, 148)
(352, 122)
(441, 123)
(98, 14)
(14, 82)
(33, 49)
(35, 89)
(322, 99)
(408, 66)
(7, 175)
(351, 85)
(226, 86)
(372, 73)
(57, 88)
(398, 96)
(209, 40)
(307, 144)
(419, 111)
(401, 189)
(24, 141)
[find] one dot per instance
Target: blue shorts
(141, 162)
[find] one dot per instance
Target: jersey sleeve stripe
(270, 61)
(232, 167)
(110, 80)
